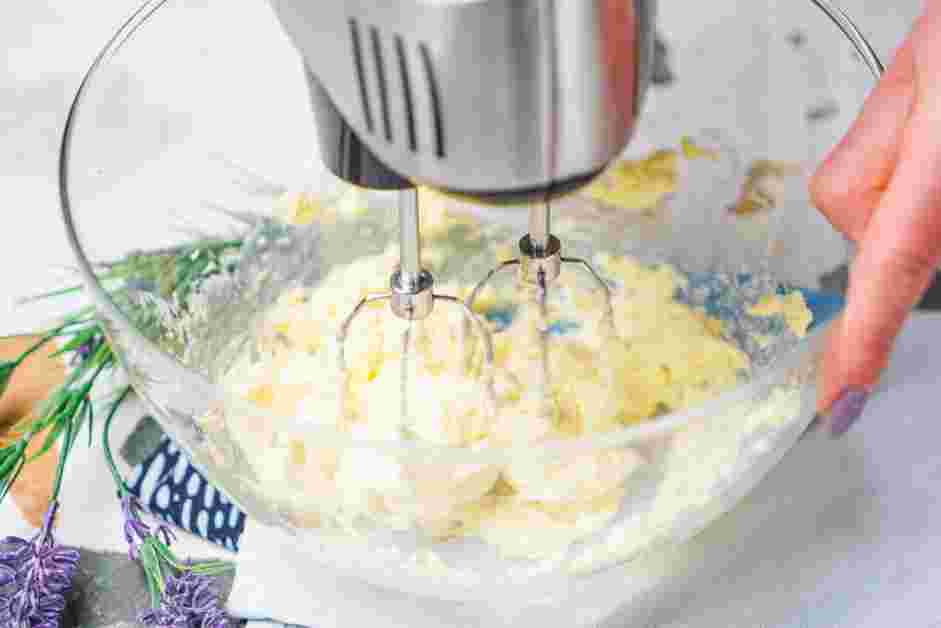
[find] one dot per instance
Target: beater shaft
(540, 228)
(409, 238)
(411, 286)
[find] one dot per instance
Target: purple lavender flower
(35, 577)
(136, 531)
(86, 350)
(189, 601)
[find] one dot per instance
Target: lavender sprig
(136, 532)
(181, 593)
(35, 577)
(189, 600)
(67, 327)
(69, 406)
(175, 272)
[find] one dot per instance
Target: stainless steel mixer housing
(499, 100)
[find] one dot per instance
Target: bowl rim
(760, 379)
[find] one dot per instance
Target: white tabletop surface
(843, 533)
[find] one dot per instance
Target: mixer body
(502, 101)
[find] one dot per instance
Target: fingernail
(846, 410)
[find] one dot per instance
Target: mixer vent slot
(372, 64)
(361, 73)
(407, 92)
(435, 100)
(381, 80)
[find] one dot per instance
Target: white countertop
(841, 534)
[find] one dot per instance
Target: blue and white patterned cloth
(170, 488)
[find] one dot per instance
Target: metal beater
(412, 298)
(539, 264)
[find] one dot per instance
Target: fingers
(829, 375)
(849, 183)
(898, 256)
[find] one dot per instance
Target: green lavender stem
(68, 441)
(106, 445)
(177, 272)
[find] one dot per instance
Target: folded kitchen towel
(171, 489)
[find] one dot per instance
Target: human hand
(881, 187)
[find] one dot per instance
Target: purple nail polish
(846, 410)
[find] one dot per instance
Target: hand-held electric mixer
(510, 102)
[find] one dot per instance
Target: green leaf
(106, 444)
(192, 271)
(74, 400)
(164, 552)
(10, 461)
(102, 359)
(8, 482)
(7, 367)
(81, 415)
(26, 424)
(6, 373)
(49, 295)
(91, 421)
(154, 589)
(211, 568)
(63, 456)
(152, 574)
(60, 397)
(148, 557)
(51, 408)
(6, 465)
(49, 441)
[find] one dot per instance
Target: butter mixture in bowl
(666, 347)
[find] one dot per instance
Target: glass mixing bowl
(195, 118)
